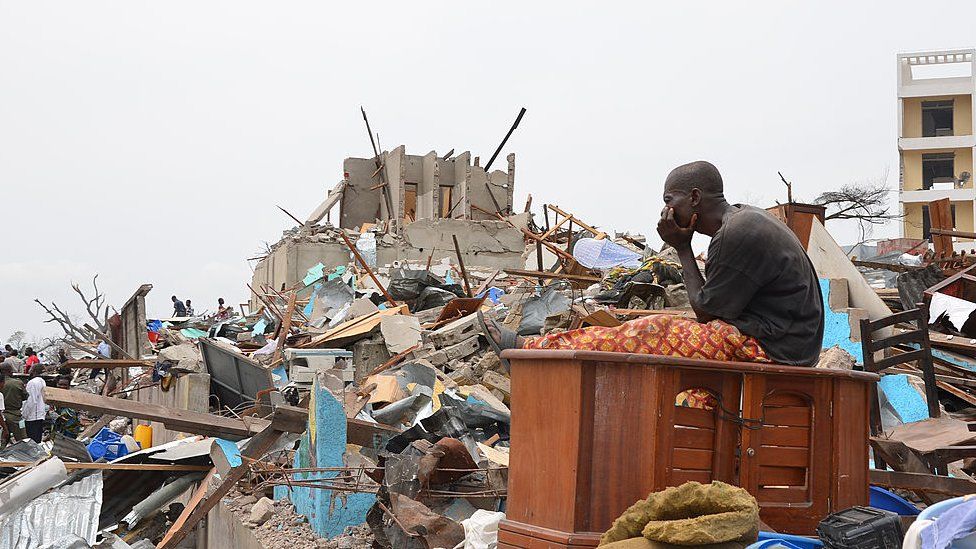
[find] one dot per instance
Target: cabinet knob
(750, 452)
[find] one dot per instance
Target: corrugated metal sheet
(71, 509)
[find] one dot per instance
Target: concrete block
(438, 358)
(456, 331)
(498, 382)
(367, 354)
(839, 296)
(400, 332)
(463, 349)
(854, 317)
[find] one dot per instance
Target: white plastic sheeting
(72, 509)
(604, 254)
(481, 530)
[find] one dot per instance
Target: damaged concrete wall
(428, 187)
(135, 339)
(188, 392)
(226, 531)
(394, 166)
(490, 244)
(359, 204)
(462, 175)
(362, 203)
(323, 445)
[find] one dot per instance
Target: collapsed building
(416, 206)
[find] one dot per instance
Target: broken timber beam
(106, 363)
(285, 326)
(292, 419)
(255, 449)
(116, 466)
(546, 274)
(923, 482)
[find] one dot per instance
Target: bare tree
(865, 202)
(95, 308)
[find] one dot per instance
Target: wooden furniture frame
(594, 432)
(918, 337)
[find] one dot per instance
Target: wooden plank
(285, 326)
(923, 482)
(927, 435)
(960, 234)
(789, 416)
(114, 466)
(546, 274)
(910, 336)
(904, 316)
(355, 327)
(694, 417)
(195, 499)
(786, 436)
(959, 393)
(681, 476)
(783, 495)
(940, 221)
(173, 418)
(362, 263)
(702, 439)
(106, 363)
(784, 457)
(918, 354)
(688, 458)
(782, 476)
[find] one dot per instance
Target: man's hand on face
(673, 234)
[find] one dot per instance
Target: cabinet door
(786, 453)
(697, 439)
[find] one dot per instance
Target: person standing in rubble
(14, 362)
(759, 300)
(3, 425)
(179, 309)
(13, 394)
(189, 308)
(32, 358)
(222, 310)
(34, 409)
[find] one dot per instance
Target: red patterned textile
(666, 335)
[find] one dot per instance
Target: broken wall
(226, 531)
(188, 392)
(491, 244)
(323, 445)
(135, 339)
(488, 244)
(359, 204)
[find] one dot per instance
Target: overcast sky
(150, 141)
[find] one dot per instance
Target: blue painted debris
(837, 327)
(322, 445)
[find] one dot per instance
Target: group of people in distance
(22, 405)
(182, 309)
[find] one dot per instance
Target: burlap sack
(692, 514)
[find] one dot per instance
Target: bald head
(696, 175)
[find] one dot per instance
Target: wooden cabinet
(594, 432)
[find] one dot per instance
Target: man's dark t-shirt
(760, 280)
(179, 309)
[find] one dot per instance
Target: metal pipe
(159, 498)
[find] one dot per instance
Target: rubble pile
(367, 405)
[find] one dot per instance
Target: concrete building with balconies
(935, 138)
